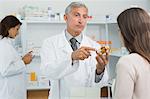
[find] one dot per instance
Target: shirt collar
(69, 36)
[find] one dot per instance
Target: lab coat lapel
(64, 44)
(84, 41)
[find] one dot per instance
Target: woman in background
(12, 66)
(133, 70)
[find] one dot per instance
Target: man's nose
(80, 20)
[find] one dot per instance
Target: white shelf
(46, 21)
(38, 87)
(63, 22)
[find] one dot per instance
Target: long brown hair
(134, 24)
(7, 23)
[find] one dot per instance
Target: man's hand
(102, 61)
(82, 53)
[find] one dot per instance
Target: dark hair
(134, 24)
(7, 23)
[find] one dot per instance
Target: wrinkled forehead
(76, 7)
(82, 10)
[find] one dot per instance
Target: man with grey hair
(70, 59)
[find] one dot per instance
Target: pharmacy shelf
(92, 22)
(46, 21)
(38, 87)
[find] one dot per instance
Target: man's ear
(65, 17)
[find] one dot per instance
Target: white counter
(38, 87)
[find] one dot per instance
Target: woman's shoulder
(131, 57)
(3, 43)
(128, 64)
(6, 45)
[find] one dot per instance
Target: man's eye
(85, 17)
(77, 15)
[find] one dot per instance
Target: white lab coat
(12, 72)
(56, 64)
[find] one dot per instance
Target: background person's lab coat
(56, 64)
(12, 72)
